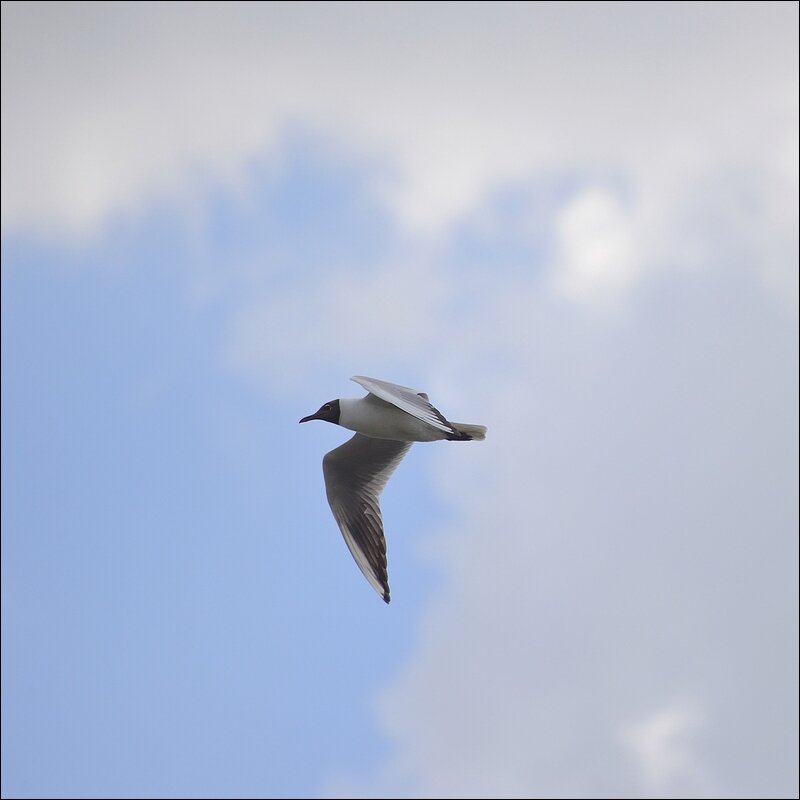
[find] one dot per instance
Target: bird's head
(327, 413)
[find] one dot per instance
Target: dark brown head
(328, 413)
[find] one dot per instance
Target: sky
(576, 224)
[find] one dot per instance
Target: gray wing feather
(355, 475)
(409, 400)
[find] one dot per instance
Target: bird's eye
(326, 407)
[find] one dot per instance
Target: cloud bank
(106, 108)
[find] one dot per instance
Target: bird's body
(387, 421)
(378, 419)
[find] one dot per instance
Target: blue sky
(214, 215)
(167, 533)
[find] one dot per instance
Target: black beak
(309, 418)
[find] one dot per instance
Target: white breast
(380, 420)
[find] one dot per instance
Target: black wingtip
(386, 597)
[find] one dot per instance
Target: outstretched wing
(355, 475)
(409, 400)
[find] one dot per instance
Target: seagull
(387, 422)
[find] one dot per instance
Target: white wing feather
(409, 400)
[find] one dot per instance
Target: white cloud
(597, 255)
(660, 745)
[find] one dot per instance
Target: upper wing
(409, 400)
(355, 475)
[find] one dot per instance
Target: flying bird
(387, 421)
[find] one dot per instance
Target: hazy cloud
(626, 536)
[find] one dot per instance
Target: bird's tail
(466, 433)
